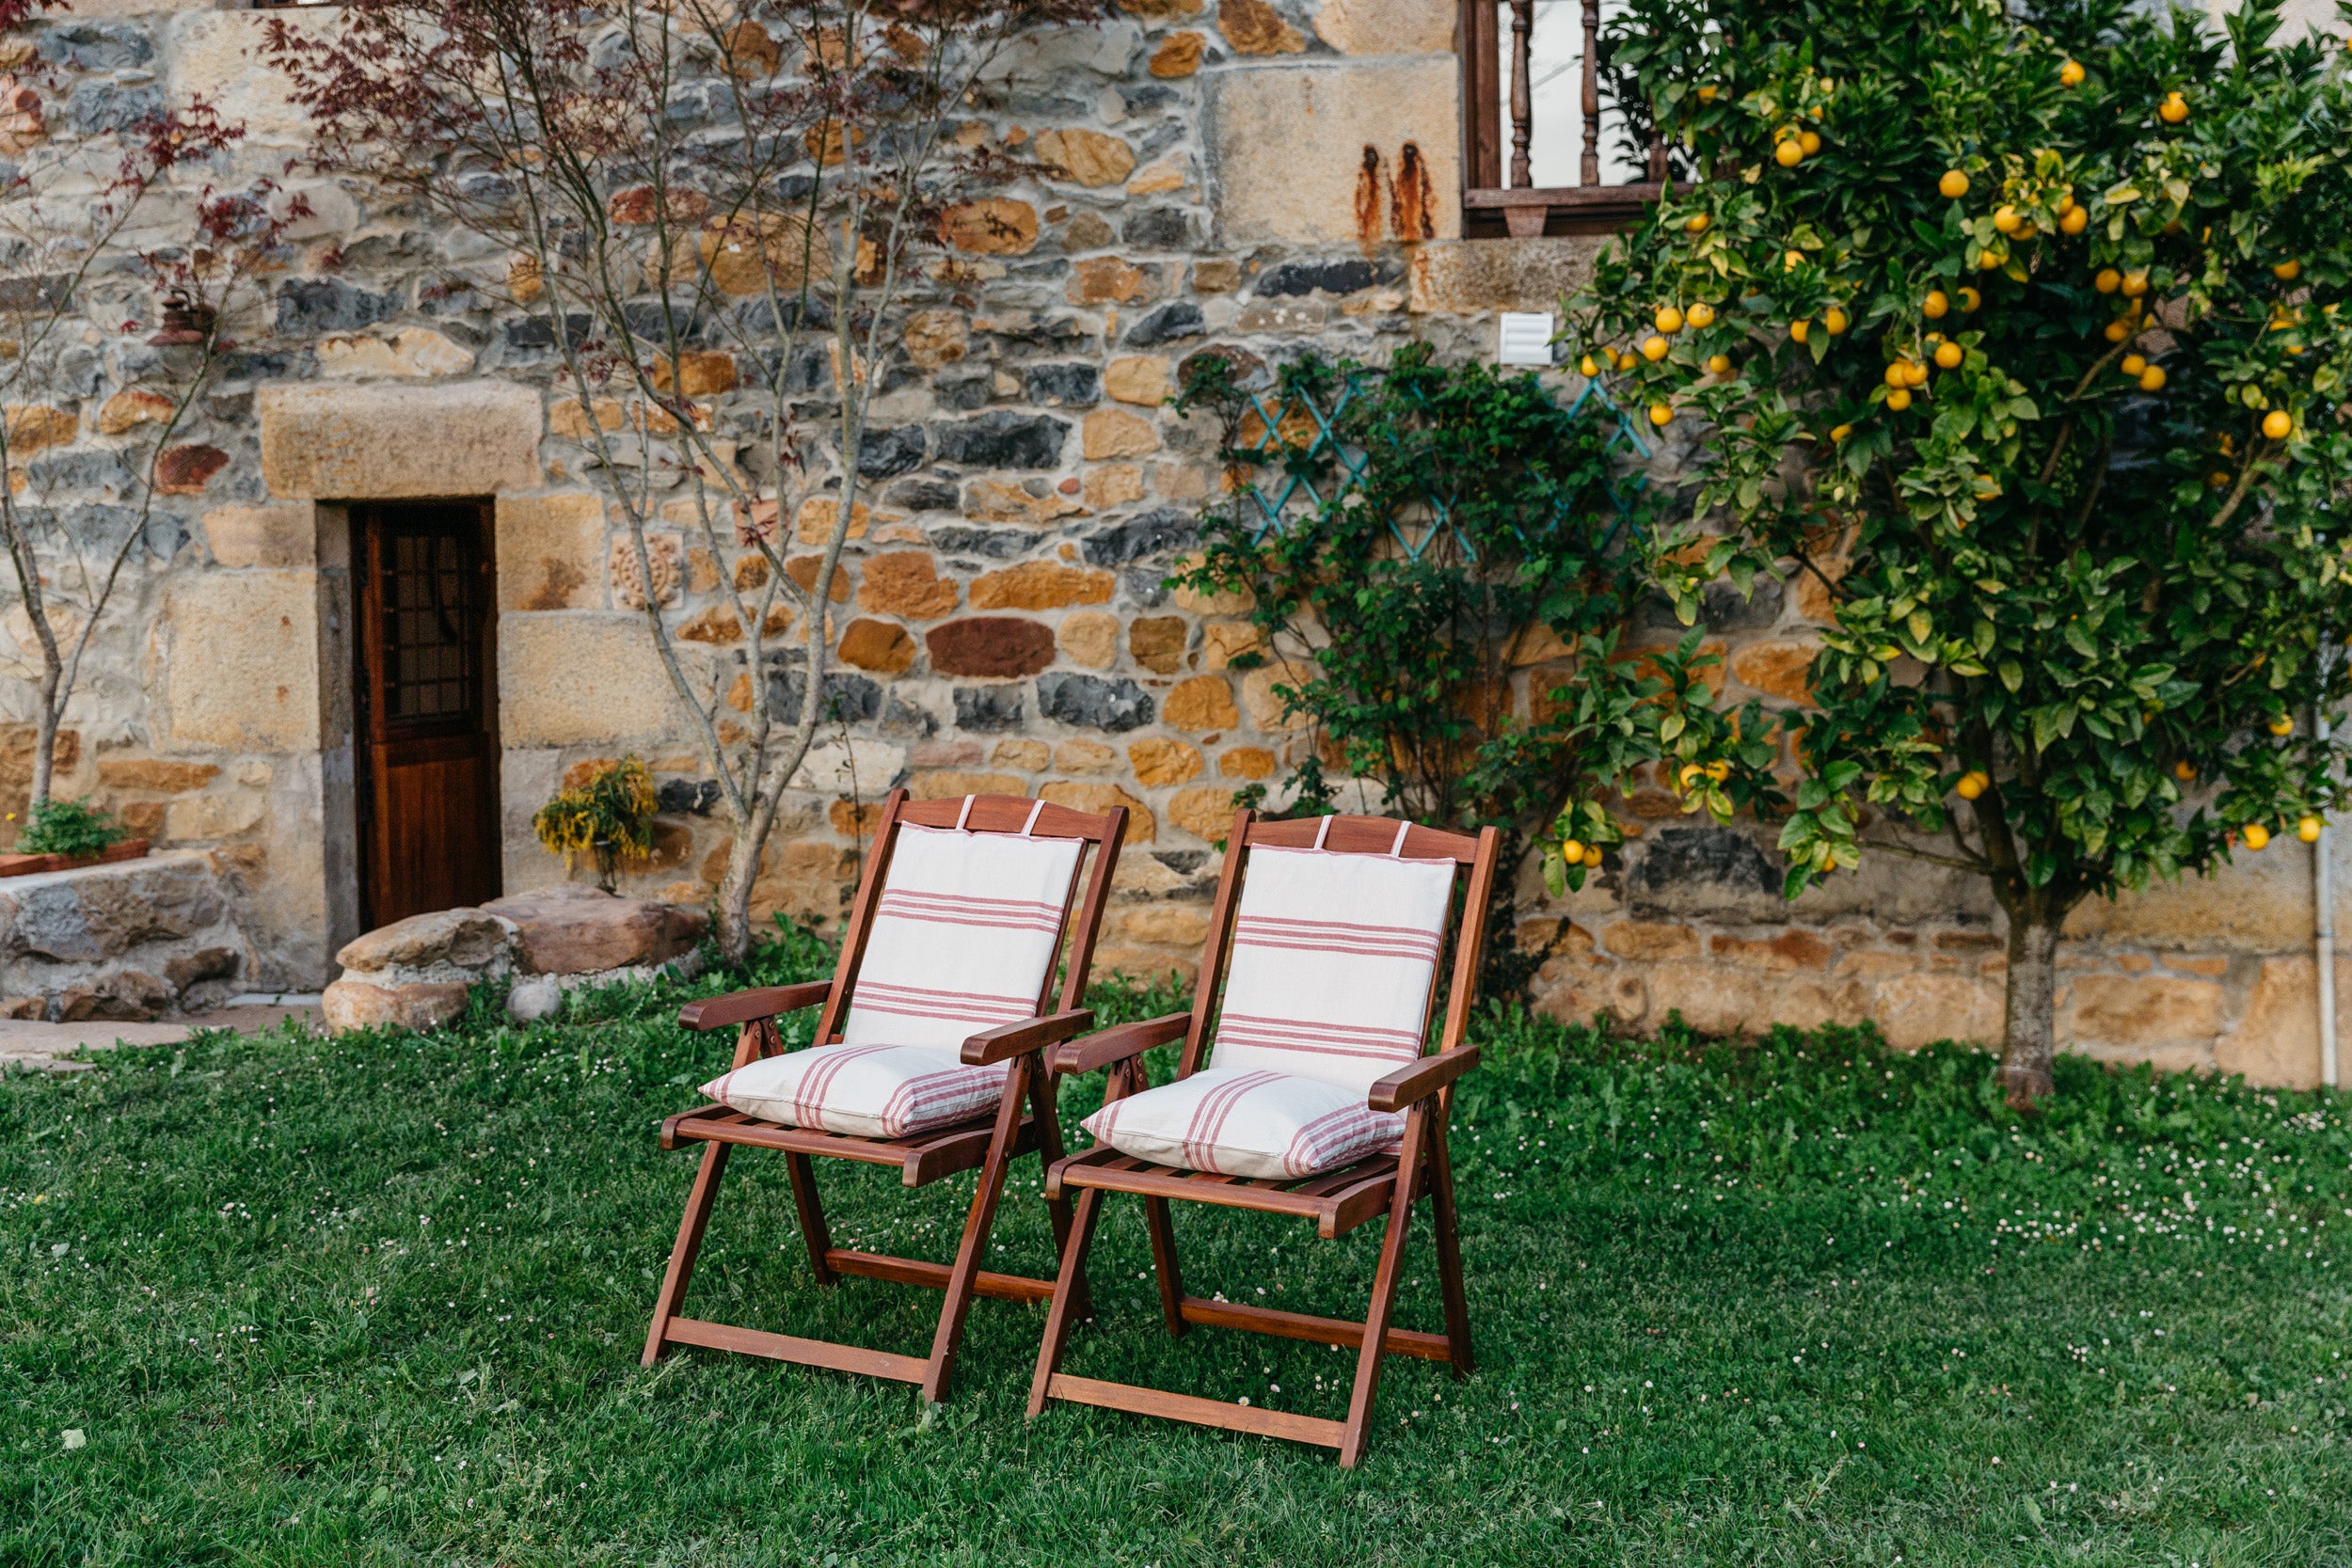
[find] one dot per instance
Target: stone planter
(27, 865)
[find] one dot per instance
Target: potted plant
(609, 816)
(60, 835)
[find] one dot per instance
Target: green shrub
(74, 829)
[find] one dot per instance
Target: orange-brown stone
(906, 582)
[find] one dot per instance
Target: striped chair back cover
(1333, 958)
(963, 936)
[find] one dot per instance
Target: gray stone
(95, 46)
(1153, 533)
(987, 708)
(921, 495)
(888, 452)
(688, 796)
(1161, 229)
(1093, 702)
(1002, 441)
(97, 107)
(1078, 385)
(1706, 873)
(1052, 55)
(309, 306)
(846, 695)
(1181, 318)
(1349, 276)
(352, 1004)
(964, 388)
(991, 543)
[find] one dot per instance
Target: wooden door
(426, 707)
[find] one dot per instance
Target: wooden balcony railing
(1492, 88)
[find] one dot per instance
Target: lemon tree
(2020, 334)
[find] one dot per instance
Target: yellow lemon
(2135, 284)
(2108, 280)
(1935, 305)
(2217, 480)
(1948, 355)
(2070, 74)
(2117, 330)
(1789, 155)
(2277, 424)
(1971, 784)
(2287, 271)
(1719, 364)
(1991, 259)
(1834, 320)
(1660, 416)
(1689, 771)
(1915, 372)
(1953, 186)
(1840, 433)
(2282, 725)
(1707, 92)
(1719, 770)
(1701, 314)
(1653, 349)
(2073, 220)
(1592, 856)
(1810, 140)
(2005, 218)
(1899, 374)
(1798, 330)
(1969, 300)
(1627, 361)
(2152, 379)
(1668, 319)
(1572, 852)
(2174, 109)
(1697, 223)
(2134, 364)
(2185, 771)
(1791, 261)
(1587, 367)
(2307, 830)
(1898, 400)
(2257, 836)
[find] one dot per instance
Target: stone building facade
(1270, 175)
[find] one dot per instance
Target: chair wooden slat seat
(1021, 1121)
(1295, 1017)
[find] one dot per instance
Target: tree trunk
(733, 933)
(2028, 1037)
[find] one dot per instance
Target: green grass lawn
(380, 1300)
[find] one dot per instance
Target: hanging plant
(609, 817)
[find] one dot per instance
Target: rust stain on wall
(1412, 199)
(1368, 199)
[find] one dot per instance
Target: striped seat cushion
(1240, 1121)
(1333, 958)
(963, 936)
(868, 1091)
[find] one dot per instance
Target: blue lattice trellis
(1296, 438)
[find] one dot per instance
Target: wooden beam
(1185, 1408)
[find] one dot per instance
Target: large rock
(573, 929)
(127, 939)
(465, 939)
(350, 1005)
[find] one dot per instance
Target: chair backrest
(960, 914)
(1330, 951)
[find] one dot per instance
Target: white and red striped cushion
(1333, 957)
(964, 937)
(868, 1091)
(1239, 1121)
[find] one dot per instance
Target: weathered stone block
(1203, 811)
(1649, 940)
(1086, 157)
(349, 1005)
(381, 443)
(549, 549)
(907, 583)
(1159, 762)
(1178, 56)
(1268, 709)
(1139, 378)
(282, 533)
(1289, 143)
(1465, 276)
(1142, 827)
(157, 773)
(2277, 1039)
(2139, 1010)
(1041, 585)
(1922, 1008)
(1157, 643)
(580, 678)
(1116, 433)
(1093, 702)
(1387, 26)
(239, 655)
(466, 938)
(1090, 638)
(572, 930)
(1203, 703)
(882, 646)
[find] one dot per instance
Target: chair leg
(689, 1241)
(1159, 1219)
(813, 1230)
(1058, 1320)
(1050, 1150)
(977, 1228)
(1457, 1330)
(1383, 1283)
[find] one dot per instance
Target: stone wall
(1262, 177)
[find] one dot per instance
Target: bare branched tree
(717, 215)
(117, 234)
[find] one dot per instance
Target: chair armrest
(1424, 1078)
(745, 1006)
(1008, 1040)
(1116, 1044)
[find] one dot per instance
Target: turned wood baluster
(1590, 173)
(1522, 95)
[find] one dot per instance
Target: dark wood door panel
(426, 655)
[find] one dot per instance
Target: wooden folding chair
(925, 935)
(1355, 963)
